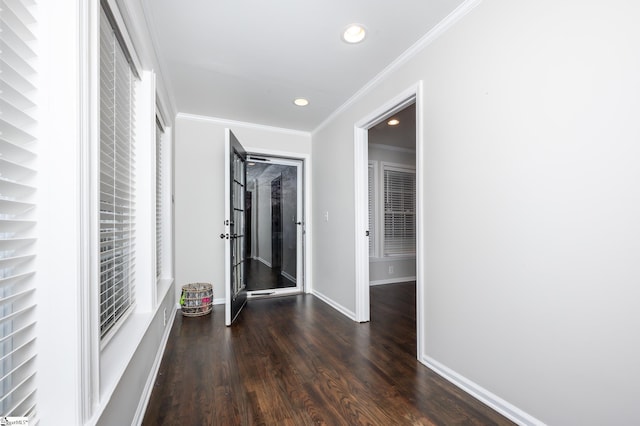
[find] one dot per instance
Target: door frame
(361, 162)
(306, 252)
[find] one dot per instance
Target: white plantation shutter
(399, 211)
(117, 180)
(17, 190)
(372, 209)
(159, 198)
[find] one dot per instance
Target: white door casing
(399, 102)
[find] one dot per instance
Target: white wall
(379, 152)
(199, 180)
(531, 199)
(385, 270)
(264, 222)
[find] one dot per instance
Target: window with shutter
(399, 211)
(117, 180)
(17, 207)
(159, 198)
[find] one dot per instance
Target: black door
(235, 167)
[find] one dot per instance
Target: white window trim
(165, 278)
(373, 230)
(89, 252)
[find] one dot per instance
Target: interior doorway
(364, 235)
(392, 198)
(275, 231)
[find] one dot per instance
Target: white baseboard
(153, 374)
(264, 261)
(288, 276)
(335, 305)
(503, 407)
(392, 280)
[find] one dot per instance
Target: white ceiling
(247, 60)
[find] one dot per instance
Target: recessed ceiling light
(393, 122)
(354, 33)
(301, 102)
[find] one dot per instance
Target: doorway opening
(274, 227)
(388, 241)
(392, 198)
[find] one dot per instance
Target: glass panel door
(235, 180)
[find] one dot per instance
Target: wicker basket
(196, 299)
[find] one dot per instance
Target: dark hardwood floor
(296, 361)
(262, 277)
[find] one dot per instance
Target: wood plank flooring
(296, 361)
(261, 277)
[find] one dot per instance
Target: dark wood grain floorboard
(296, 361)
(262, 277)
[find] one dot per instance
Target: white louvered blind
(399, 211)
(117, 180)
(372, 190)
(159, 198)
(17, 224)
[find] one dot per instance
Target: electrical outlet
(391, 270)
(326, 216)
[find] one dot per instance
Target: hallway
(294, 360)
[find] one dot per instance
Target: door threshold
(259, 294)
(262, 293)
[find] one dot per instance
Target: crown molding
(232, 123)
(461, 11)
